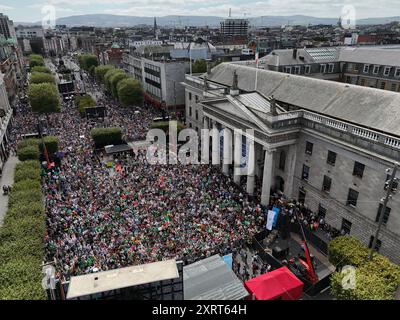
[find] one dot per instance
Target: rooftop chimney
(234, 88)
(295, 53)
(205, 83)
(272, 104)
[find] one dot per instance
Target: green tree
(130, 92)
(40, 77)
(106, 136)
(115, 79)
(101, 71)
(28, 153)
(44, 98)
(41, 69)
(199, 66)
(22, 235)
(88, 61)
(107, 77)
(35, 60)
(377, 279)
(85, 101)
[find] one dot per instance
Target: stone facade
(283, 144)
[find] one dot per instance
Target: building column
(205, 143)
(251, 169)
(237, 157)
(267, 177)
(205, 123)
(215, 145)
(291, 170)
(227, 151)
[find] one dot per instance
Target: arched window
(282, 161)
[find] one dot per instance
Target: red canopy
(278, 284)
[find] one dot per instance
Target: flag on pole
(257, 60)
(257, 55)
(270, 219)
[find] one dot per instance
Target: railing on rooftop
(315, 121)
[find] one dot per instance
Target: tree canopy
(199, 66)
(22, 235)
(101, 71)
(35, 60)
(130, 92)
(115, 79)
(108, 75)
(44, 98)
(41, 77)
(106, 136)
(375, 279)
(85, 101)
(41, 69)
(88, 62)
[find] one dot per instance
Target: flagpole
(257, 53)
(190, 56)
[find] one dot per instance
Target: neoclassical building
(324, 143)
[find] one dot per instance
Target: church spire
(155, 27)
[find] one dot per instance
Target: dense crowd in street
(310, 220)
(101, 217)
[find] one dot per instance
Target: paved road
(7, 178)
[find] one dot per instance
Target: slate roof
(387, 56)
(368, 107)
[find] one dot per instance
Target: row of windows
(346, 224)
(372, 83)
(358, 169)
(153, 78)
(196, 97)
(323, 68)
(151, 67)
(297, 69)
(376, 69)
(352, 196)
(153, 90)
(190, 113)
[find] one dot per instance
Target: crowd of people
(101, 217)
(310, 220)
(246, 269)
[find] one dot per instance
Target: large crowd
(102, 217)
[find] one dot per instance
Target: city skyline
(30, 10)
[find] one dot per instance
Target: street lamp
(389, 192)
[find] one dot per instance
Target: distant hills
(109, 20)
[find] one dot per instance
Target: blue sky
(30, 10)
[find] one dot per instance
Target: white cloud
(317, 8)
(252, 8)
(5, 8)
